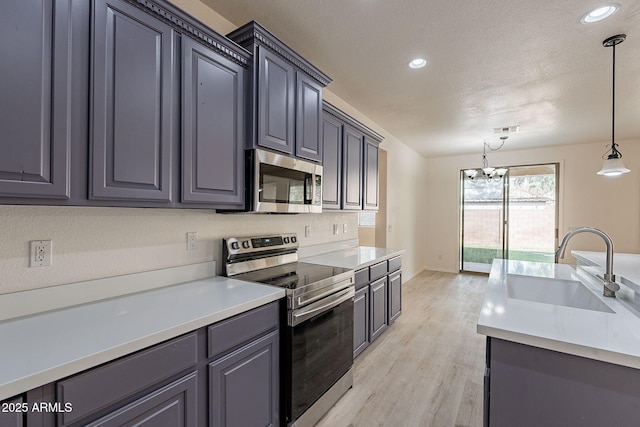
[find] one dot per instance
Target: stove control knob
(286, 240)
(235, 246)
(294, 239)
(246, 244)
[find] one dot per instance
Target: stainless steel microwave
(283, 184)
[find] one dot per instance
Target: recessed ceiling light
(600, 13)
(418, 63)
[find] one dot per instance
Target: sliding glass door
(512, 217)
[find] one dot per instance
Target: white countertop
(626, 267)
(609, 337)
(354, 258)
(41, 348)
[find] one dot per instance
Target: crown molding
(190, 26)
(253, 33)
(345, 118)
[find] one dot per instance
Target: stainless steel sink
(568, 293)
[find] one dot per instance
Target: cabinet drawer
(232, 333)
(362, 278)
(98, 388)
(394, 264)
(377, 271)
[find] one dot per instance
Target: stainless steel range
(317, 341)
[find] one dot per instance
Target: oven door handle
(300, 315)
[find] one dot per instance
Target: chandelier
(486, 172)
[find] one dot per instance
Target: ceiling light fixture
(418, 63)
(600, 13)
(613, 161)
(485, 171)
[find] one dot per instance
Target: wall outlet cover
(40, 253)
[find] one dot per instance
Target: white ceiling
(492, 63)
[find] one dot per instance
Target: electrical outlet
(344, 228)
(40, 253)
(307, 230)
(336, 230)
(192, 241)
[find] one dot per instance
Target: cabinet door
(276, 87)
(378, 307)
(308, 113)
(395, 295)
(35, 98)
(213, 121)
(132, 117)
(172, 405)
(370, 191)
(352, 169)
(331, 162)
(244, 385)
(11, 412)
(360, 320)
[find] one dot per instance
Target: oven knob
(293, 239)
(235, 246)
(286, 240)
(246, 244)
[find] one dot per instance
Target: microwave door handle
(299, 317)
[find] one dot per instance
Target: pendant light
(613, 161)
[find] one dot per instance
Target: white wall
(586, 199)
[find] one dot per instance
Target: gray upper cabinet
(276, 86)
(132, 104)
(370, 175)
(352, 169)
(331, 162)
(213, 127)
(308, 115)
(285, 96)
(350, 162)
(35, 98)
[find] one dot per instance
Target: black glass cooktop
(294, 275)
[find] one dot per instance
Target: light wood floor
(427, 368)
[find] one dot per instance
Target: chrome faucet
(609, 279)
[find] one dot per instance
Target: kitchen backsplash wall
(90, 243)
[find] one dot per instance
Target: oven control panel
(245, 245)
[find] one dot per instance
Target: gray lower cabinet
(132, 101)
(361, 309)
(172, 405)
(379, 307)
(12, 412)
(531, 386)
(226, 374)
(395, 295)
(35, 98)
(244, 386)
(122, 388)
(213, 127)
(377, 302)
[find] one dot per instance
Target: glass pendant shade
(613, 166)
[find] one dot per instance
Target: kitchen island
(574, 361)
